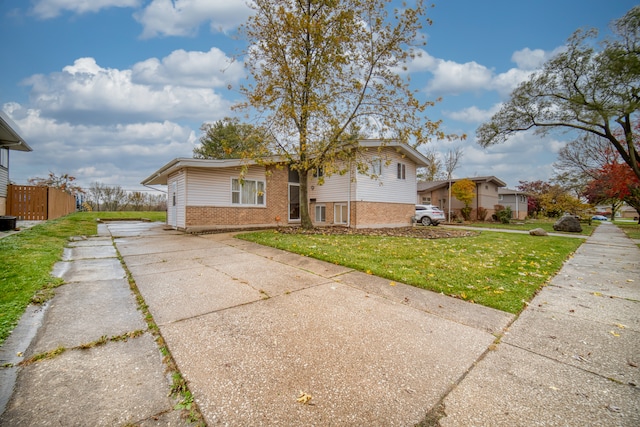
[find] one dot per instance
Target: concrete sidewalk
(571, 358)
(252, 329)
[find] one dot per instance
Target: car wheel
(425, 221)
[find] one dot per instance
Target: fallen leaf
(614, 334)
(304, 397)
(392, 283)
(619, 325)
(598, 294)
(629, 280)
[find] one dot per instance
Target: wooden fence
(38, 203)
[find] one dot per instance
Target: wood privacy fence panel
(38, 203)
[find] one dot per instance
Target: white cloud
(111, 155)
(47, 9)
(527, 59)
(191, 69)
(472, 114)
(453, 78)
(183, 17)
(85, 91)
(505, 83)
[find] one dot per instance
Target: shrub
(482, 214)
(503, 214)
(466, 213)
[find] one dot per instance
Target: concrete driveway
(253, 328)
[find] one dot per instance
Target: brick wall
(372, 214)
(200, 218)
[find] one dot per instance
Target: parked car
(599, 217)
(429, 215)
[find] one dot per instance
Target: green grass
(632, 229)
(28, 258)
(499, 270)
(530, 224)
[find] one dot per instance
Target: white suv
(429, 215)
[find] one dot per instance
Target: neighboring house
(210, 194)
(517, 200)
(626, 212)
(437, 193)
(9, 140)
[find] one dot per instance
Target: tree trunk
(305, 218)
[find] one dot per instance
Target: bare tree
(451, 161)
(95, 196)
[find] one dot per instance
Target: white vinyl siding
(335, 187)
(213, 188)
(388, 188)
(4, 171)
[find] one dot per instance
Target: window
(4, 157)
(340, 213)
(318, 172)
(294, 176)
(402, 172)
(376, 166)
(500, 197)
(426, 200)
(247, 192)
(321, 213)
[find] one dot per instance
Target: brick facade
(373, 214)
(199, 218)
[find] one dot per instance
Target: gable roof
(435, 185)
(160, 177)
(9, 137)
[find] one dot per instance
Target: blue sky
(110, 90)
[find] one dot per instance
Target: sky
(109, 91)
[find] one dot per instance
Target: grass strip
(28, 258)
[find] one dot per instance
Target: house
(9, 140)
(517, 200)
(206, 194)
(437, 193)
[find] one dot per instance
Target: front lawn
(499, 270)
(530, 224)
(28, 258)
(632, 229)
